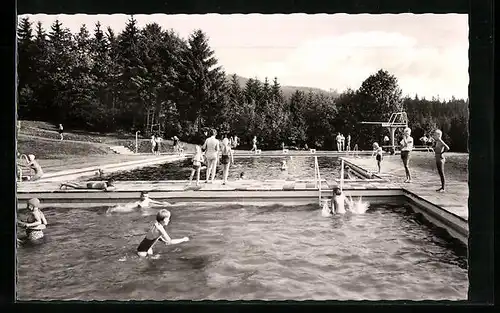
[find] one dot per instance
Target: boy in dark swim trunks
(157, 232)
(377, 151)
(197, 159)
(105, 185)
(440, 147)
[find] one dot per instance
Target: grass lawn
(47, 149)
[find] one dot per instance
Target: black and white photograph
(242, 157)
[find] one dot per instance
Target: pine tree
(25, 68)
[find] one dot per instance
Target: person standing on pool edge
(157, 232)
(406, 147)
(61, 130)
(440, 147)
(227, 158)
(211, 147)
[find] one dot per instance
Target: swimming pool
(244, 253)
(259, 168)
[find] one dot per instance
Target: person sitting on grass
(440, 147)
(104, 185)
(156, 233)
(377, 151)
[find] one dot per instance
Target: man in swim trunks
(211, 147)
(105, 185)
(338, 201)
(157, 232)
(35, 223)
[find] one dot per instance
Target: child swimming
(144, 202)
(105, 185)
(34, 225)
(157, 232)
(377, 151)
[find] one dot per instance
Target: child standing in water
(157, 232)
(197, 159)
(440, 147)
(377, 151)
(35, 223)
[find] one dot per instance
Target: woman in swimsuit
(105, 186)
(157, 232)
(440, 147)
(154, 147)
(35, 223)
(227, 153)
(406, 148)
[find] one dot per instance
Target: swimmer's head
(144, 195)
(375, 145)
(407, 131)
(110, 182)
(438, 134)
(31, 157)
(33, 203)
(163, 216)
(336, 191)
(214, 132)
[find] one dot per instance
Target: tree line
(151, 80)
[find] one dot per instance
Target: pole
(341, 174)
(136, 140)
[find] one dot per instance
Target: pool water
(258, 168)
(244, 253)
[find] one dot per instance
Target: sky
(428, 53)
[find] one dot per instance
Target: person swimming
(144, 202)
(34, 225)
(156, 233)
(105, 185)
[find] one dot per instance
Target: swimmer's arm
(159, 202)
(169, 241)
(43, 219)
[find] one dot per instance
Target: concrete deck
(424, 183)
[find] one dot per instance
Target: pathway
(424, 183)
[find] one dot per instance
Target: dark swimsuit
(225, 159)
(146, 244)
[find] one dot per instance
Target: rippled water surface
(243, 252)
(259, 168)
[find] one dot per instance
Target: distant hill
(287, 90)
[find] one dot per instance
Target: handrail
(341, 174)
(317, 177)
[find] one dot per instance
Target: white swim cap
(31, 157)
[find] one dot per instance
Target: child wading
(34, 225)
(440, 147)
(157, 232)
(377, 151)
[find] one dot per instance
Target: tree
(26, 65)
